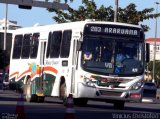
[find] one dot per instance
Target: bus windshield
(109, 55)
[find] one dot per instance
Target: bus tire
(28, 90)
(29, 96)
(80, 101)
(119, 105)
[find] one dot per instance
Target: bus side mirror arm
(147, 55)
(79, 42)
(79, 46)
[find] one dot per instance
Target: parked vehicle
(158, 94)
(149, 92)
(4, 82)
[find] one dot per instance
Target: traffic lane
(7, 95)
(11, 97)
(53, 108)
(129, 106)
(92, 110)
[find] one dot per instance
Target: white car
(149, 92)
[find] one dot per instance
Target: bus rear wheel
(29, 96)
(28, 91)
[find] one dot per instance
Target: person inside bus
(120, 56)
(125, 51)
(87, 55)
(107, 53)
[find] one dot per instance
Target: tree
(89, 10)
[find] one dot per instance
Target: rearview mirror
(79, 45)
(147, 57)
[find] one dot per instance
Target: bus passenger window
(55, 44)
(17, 46)
(26, 46)
(49, 44)
(65, 46)
(34, 45)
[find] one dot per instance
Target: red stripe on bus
(17, 73)
(51, 69)
(48, 68)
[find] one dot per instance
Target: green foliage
(89, 10)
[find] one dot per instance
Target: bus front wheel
(119, 105)
(80, 101)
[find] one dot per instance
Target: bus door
(74, 64)
(40, 82)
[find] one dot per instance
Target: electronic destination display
(109, 29)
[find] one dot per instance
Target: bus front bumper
(108, 94)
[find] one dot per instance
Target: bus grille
(110, 93)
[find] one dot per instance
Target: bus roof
(8, 31)
(69, 25)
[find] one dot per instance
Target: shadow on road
(7, 99)
(130, 107)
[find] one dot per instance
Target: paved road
(53, 109)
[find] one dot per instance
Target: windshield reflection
(112, 56)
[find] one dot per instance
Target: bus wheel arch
(27, 79)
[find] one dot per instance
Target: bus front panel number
(96, 29)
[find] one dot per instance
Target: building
(11, 25)
(151, 41)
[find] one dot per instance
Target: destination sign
(112, 30)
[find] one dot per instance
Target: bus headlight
(137, 85)
(88, 82)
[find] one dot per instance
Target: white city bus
(79, 58)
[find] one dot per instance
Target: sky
(41, 16)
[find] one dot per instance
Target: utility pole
(154, 56)
(4, 42)
(5, 32)
(116, 11)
